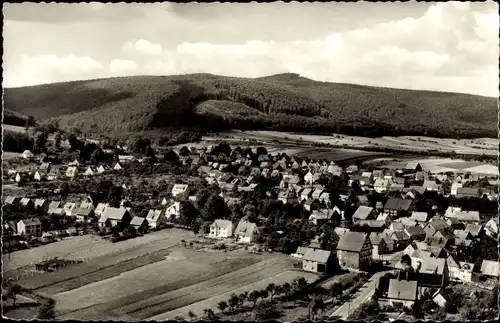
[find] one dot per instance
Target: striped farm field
(182, 280)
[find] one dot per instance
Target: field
(487, 146)
(147, 277)
(14, 128)
(10, 155)
(442, 165)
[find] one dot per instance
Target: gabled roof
(490, 268)
(352, 241)
(83, 211)
(469, 191)
(224, 224)
(362, 212)
(137, 221)
(317, 255)
(415, 231)
(28, 222)
(420, 216)
(153, 215)
(245, 228)
(402, 290)
(397, 204)
(474, 229)
(114, 213)
(433, 265)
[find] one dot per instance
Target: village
(417, 236)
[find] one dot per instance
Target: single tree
(184, 151)
(222, 306)
(233, 302)
(243, 298)
(191, 315)
(209, 313)
(13, 290)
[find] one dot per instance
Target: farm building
(354, 250)
(413, 167)
(463, 192)
(221, 229)
(246, 231)
(318, 261)
(301, 251)
(156, 219)
(31, 227)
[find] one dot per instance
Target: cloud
(122, 67)
(49, 68)
(450, 46)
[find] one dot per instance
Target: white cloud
(122, 67)
(142, 47)
(49, 68)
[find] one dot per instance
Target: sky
(449, 46)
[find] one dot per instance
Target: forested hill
(285, 102)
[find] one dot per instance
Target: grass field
(14, 128)
(442, 165)
(6, 155)
(188, 277)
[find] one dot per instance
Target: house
(453, 267)
(101, 207)
(126, 159)
(246, 231)
(317, 261)
(21, 176)
(311, 204)
(489, 268)
(115, 217)
(71, 171)
(316, 194)
(55, 205)
(384, 217)
(465, 272)
(288, 197)
(420, 217)
(400, 238)
(83, 214)
(475, 230)
(434, 266)
(435, 225)
(491, 227)
(69, 207)
(101, 169)
(463, 192)
(318, 217)
(431, 186)
(89, 171)
(221, 229)
(467, 216)
(28, 154)
(117, 166)
(31, 227)
(442, 238)
(379, 245)
(325, 198)
(156, 219)
(341, 231)
(413, 167)
(364, 213)
(179, 189)
(354, 250)
(440, 298)
(407, 222)
(11, 200)
(173, 211)
(54, 174)
(305, 194)
(401, 291)
(416, 233)
(309, 178)
(139, 223)
(463, 237)
(26, 203)
(454, 187)
(41, 204)
(39, 175)
(398, 207)
(352, 169)
(335, 170)
(381, 185)
(300, 252)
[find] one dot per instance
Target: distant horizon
(257, 77)
(445, 47)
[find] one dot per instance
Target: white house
(117, 166)
(309, 178)
(454, 187)
(101, 207)
(71, 171)
(465, 272)
(69, 208)
(381, 185)
(89, 172)
(179, 189)
(221, 229)
(39, 175)
(101, 169)
(246, 231)
(27, 154)
(31, 227)
(173, 211)
(156, 219)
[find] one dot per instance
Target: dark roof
(415, 231)
(402, 289)
(398, 204)
(317, 255)
(352, 241)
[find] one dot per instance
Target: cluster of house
(74, 169)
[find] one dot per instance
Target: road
(364, 293)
